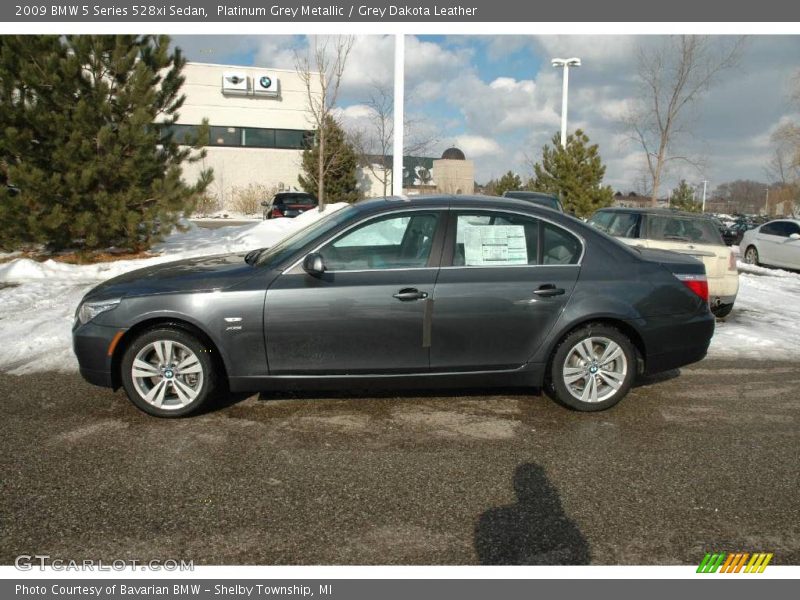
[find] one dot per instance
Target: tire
(722, 311)
(578, 354)
(171, 390)
(751, 256)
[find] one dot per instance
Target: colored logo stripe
(734, 562)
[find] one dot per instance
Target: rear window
(673, 228)
(301, 200)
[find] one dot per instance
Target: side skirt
(529, 375)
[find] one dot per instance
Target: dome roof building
(453, 153)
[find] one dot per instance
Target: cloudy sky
(499, 100)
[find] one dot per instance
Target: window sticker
(495, 245)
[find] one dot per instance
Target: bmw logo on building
(265, 82)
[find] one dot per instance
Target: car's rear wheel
(722, 311)
(168, 372)
(593, 368)
(751, 256)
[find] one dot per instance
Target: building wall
(238, 167)
(454, 176)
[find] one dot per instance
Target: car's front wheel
(751, 256)
(167, 372)
(593, 368)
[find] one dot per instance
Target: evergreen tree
(574, 173)
(340, 166)
(508, 182)
(683, 198)
(85, 137)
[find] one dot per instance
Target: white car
(683, 232)
(776, 244)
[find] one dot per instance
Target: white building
(260, 123)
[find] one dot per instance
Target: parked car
(540, 198)
(776, 243)
(436, 291)
(289, 204)
(684, 232)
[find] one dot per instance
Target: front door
(365, 314)
(504, 281)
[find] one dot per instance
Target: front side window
(396, 242)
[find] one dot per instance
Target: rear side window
(559, 246)
(496, 239)
(673, 228)
(617, 224)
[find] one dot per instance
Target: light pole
(397, 132)
(705, 183)
(566, 63)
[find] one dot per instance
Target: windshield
(293, 243)
(699, 230)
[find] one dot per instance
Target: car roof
(674, 212)
(475, 201)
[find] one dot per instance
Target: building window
(251, 137)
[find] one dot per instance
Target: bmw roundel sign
(265, 82)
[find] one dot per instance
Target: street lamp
(566, 63)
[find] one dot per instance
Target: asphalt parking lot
(704, 459)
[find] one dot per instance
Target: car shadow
(656, 378)
(533, 531)
(366, 393)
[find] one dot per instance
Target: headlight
(89, 310)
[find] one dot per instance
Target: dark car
(289, 204)
(540, 198)
(432, 292)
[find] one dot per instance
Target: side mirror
(265, 203)
(313, 264)
(794, 236)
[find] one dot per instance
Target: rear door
(505, 279)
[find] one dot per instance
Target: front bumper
(91, 344)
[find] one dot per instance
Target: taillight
(697, 283)
(276, 212)
(732, 261)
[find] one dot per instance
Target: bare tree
(322, 67)
(374, 143)
(673, 77)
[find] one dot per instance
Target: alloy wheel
(167, 374)
(594, 369)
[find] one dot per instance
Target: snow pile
(38, 300)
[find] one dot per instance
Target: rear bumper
(672, 345)
(91, 344)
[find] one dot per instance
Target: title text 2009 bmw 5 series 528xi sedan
(431, 292)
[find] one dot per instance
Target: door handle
(410, 294)
(548, 290)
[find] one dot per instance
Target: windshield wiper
(252, 257)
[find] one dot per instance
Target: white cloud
(477, 146)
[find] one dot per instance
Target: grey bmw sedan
(441, 291)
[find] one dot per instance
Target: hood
(204, 273)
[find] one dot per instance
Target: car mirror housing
(265, 203)
(794, 236)
(313, 264)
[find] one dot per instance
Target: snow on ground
(38, 300)
(765, 321)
